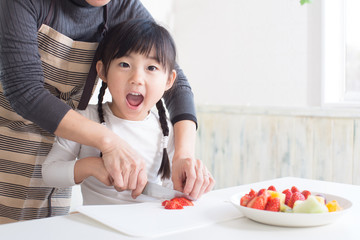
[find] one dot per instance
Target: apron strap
(50, 13)
(46, 22)
(90, 81)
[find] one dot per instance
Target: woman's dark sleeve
(180, 99)
(21, 72)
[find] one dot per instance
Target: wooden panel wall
(242, 145)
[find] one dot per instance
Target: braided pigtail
(99, 105)
(100, 100)
(164, 169)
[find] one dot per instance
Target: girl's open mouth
(134, 99)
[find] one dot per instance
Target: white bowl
(293, 219)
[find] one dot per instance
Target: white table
(78, 226)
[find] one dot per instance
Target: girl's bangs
(144, 43)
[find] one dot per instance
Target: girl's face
(136, 83)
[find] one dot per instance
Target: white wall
(249, 53)
(238, 52)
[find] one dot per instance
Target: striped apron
(24, 146)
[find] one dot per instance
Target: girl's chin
(131, 113)
(137, 113)
(135, 117)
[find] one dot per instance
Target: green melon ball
(310, 205)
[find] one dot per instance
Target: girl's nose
(137, 77)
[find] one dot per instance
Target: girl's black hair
(139, 36)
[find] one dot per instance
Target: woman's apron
(24, 146)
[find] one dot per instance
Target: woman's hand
(125, 166)
(189, 175)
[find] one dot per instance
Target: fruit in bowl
(289, 201)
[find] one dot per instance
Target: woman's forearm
(185, 138)
(189, 175)
(79, 129)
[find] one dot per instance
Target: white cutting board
(150, 219)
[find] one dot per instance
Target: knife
(157, 191)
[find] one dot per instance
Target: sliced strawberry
(252, 193)
(261, 191)
(257, 203)
(306, 193)
(264, 194)
(246, 199)
(273, 204)
(295, 197)
(294, 189)
(288, 195)
(272, 188)
(164, 202)
(173, 205)
(183, 201)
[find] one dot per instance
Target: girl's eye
(152, 68)
(124, 64)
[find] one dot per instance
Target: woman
(46, 50)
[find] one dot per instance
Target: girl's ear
(100, 70)
(171, 80)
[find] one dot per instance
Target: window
(341, 52)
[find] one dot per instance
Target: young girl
(136, 63)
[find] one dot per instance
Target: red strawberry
(273, 204)
(252, 193)
(183, 201)
(272, 188)
(294, 189)
(261, 191)
(245, 199)
(306, 193)
(164, 202)
(288, 195)
(257, 203)
(173, 205)
(295, 197)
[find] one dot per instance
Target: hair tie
(164, 141)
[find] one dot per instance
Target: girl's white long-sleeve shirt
(144, 136)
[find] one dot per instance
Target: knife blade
(157, 191)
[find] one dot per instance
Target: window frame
(334, 92)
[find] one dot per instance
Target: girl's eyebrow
(152, 57)
(147, 56)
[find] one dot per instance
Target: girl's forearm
(91, 166)
(84, 168)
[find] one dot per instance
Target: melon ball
(310, 205)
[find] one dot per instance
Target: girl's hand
(191, 177)
(125, 166)
(91, 166)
